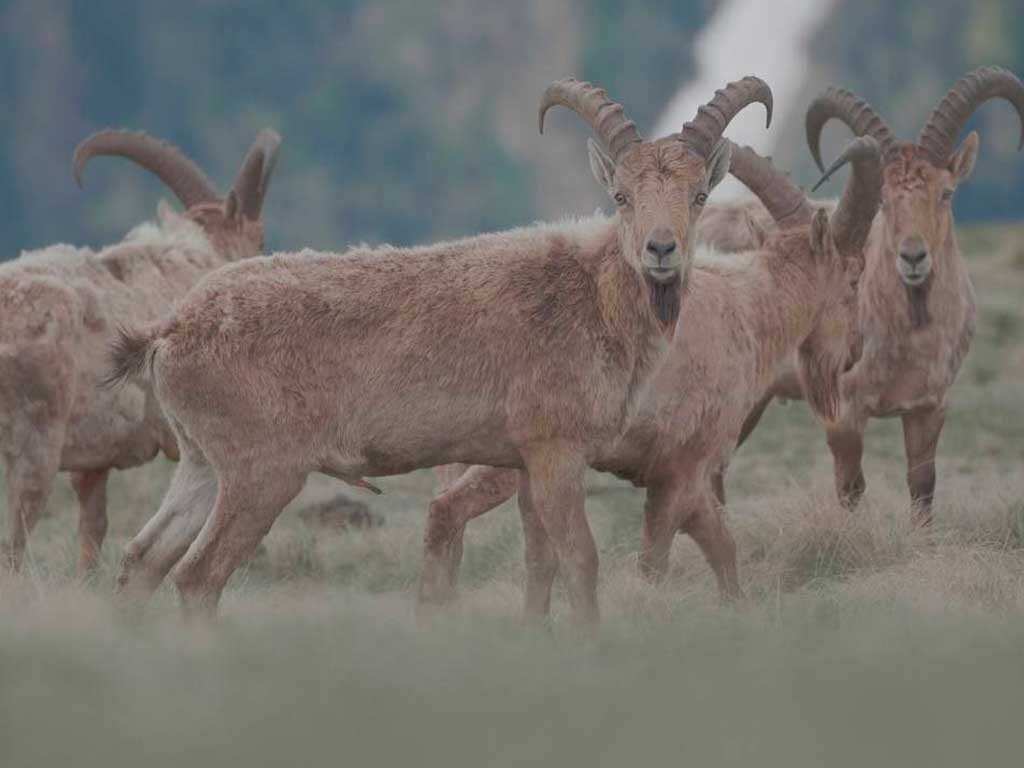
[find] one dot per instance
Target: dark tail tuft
(129, 354)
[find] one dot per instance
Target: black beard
(665, 299)
(917, 299)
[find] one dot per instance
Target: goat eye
(947, 195)
(620, 199)
(701, 198)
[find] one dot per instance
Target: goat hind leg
(475, 492)
(31, 471)
(167, 535)
(245, 509)
(91, 489)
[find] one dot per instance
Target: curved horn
(607, 118)
(254, 176)
(704, 131)
(160, 158)
(856, 113)
(785, 201)
(967, 94)
(862, 195)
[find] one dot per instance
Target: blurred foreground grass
(861, 642)
(342, 678)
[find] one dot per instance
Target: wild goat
(729, 227)
(59, 308)
(522, 349)
(743, 316)
(911, 325)
(735, 226)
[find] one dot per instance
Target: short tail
(131, 356)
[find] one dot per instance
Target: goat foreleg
(921, 430)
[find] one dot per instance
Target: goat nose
(661, 243)
(914, 256)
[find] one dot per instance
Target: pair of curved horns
(943, 126)
(789, 206)
(182, 176)
(618, 134)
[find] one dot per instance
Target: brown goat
(743, 316)
(906, 334)
(521, 349)
(60, 307)
(735, 226)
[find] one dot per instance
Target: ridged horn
(785, 201)
(704, 131)
(947, 120)
(859, 116)
(160, 158)
(254, 176)
(605, 117)
(851, 221)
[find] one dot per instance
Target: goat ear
(962, 163)
(164, 212)
(718, 163)
(601, 166)
(820, 232)
(232, 210)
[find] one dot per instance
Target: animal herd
(647, 343)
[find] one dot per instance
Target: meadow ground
(861, 641)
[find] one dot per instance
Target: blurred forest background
(406, 121)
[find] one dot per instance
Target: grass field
(861, 642)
